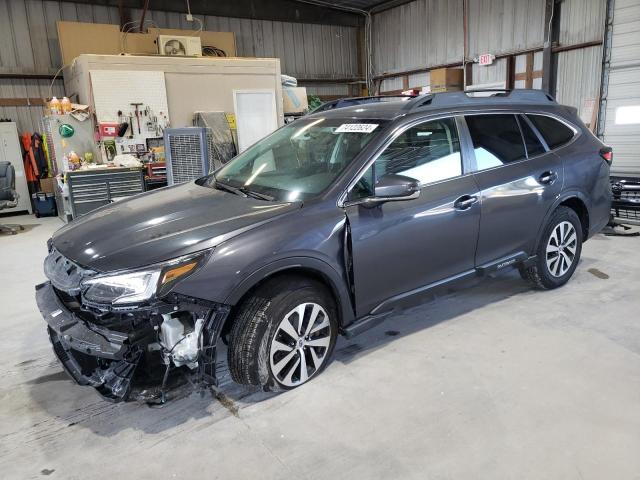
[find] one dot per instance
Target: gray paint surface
(399, 248)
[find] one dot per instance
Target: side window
(496, 140)
(428, 152)
(534, 147)
(555, 133)
(363, 187)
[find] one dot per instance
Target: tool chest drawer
(91, 189)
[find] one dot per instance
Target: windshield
(297, 161)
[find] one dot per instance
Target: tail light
(607, 154)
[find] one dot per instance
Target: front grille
(64, 274)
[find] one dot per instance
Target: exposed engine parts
(169, 345)
(180, 339)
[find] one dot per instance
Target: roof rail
(466, 98)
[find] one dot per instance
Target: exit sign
(485, 59)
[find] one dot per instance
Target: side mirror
(397, 187)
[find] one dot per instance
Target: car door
(400, 246)
(519, 180)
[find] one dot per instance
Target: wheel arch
(302, 266)
(578, 205)
(575, 200)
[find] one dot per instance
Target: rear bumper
(91, 355)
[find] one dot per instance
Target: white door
(256, 115)
(622, 112)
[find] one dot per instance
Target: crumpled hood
(161, 225)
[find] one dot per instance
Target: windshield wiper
(243, 191)
(228, 188)
(259, 196)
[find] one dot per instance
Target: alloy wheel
(561, 249)
(300, 345)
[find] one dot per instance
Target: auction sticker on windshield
(356, 128)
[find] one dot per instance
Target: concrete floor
(490, 381)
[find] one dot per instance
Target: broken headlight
(140, 285)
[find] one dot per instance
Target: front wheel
(283, 335)
(559, 251)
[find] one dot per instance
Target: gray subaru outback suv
(325, 227)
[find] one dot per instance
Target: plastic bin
(44, 204)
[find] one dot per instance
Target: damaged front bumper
(128, 363)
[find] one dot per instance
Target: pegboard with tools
(130, 108)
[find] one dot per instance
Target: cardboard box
(295, 100)
(447, 80)
(77, 38)
(48, 185)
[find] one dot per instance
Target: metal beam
(280, 10)
(555, 49)
(388, 4)
(551, 36)
(22, 102)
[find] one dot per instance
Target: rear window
(555, 133)
(496, 140)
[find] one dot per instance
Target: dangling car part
(112, 332)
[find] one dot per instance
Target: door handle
(547, 178)
(465, 202)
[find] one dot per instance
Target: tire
(263, 331)
(555, 263)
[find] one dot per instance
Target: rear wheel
(283, 335)
(559, 251)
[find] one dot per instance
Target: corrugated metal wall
(581, 21)
(424, 33)
(579, 71)
(30, 45)
(500, 26)
(417, 35)
(578, 79)
(27, 118)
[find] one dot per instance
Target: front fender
(310, 264)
